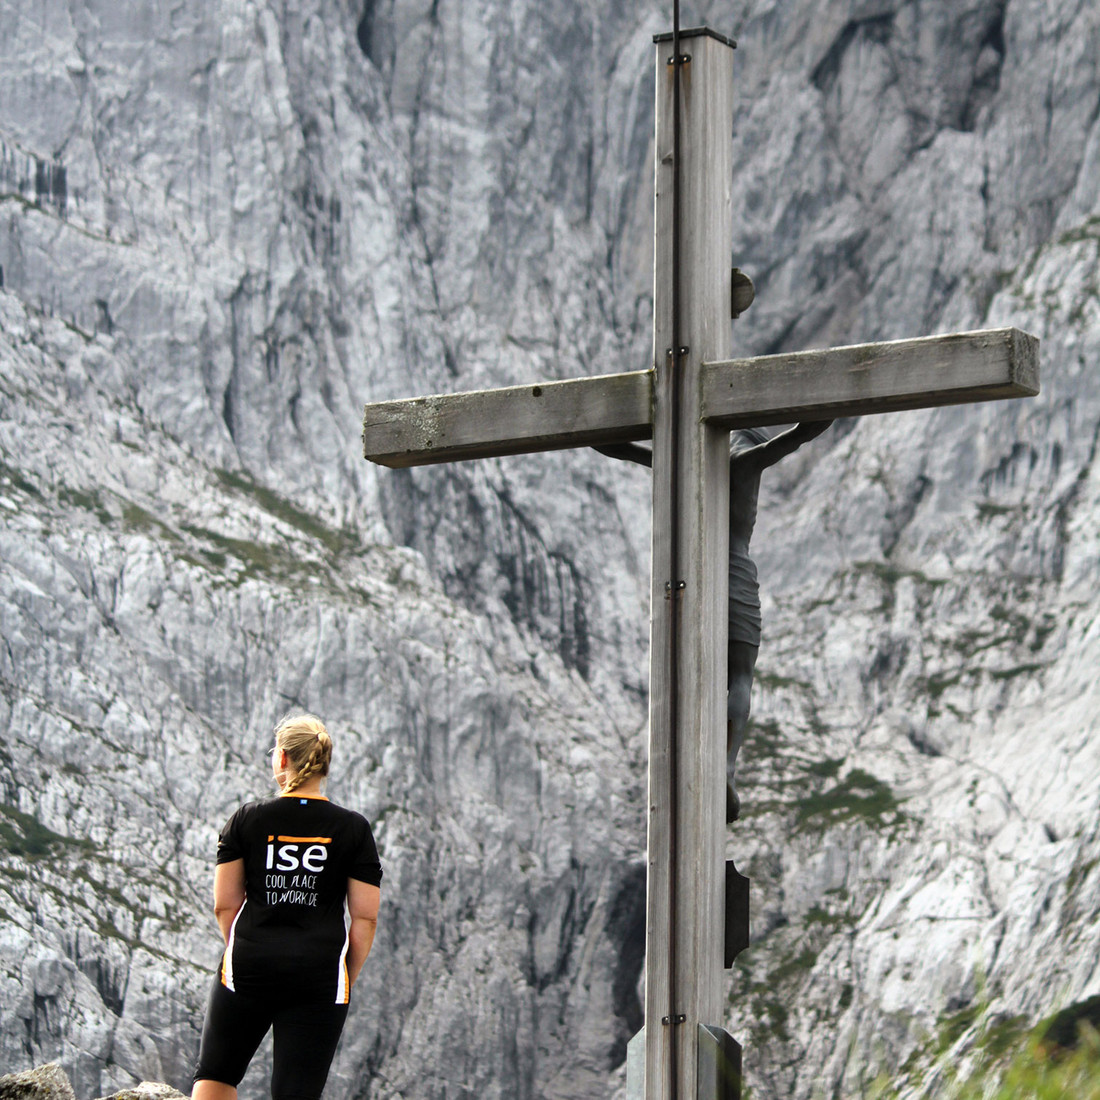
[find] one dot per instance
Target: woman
(296, 893)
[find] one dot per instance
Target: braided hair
(308, 747)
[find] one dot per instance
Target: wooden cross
(685, 915)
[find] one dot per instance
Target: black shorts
(305, 1036)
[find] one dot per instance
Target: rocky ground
(223, 228)
(49, 1082)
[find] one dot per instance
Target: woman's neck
(311, 788)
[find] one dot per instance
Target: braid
(314, 765)
(308, 747)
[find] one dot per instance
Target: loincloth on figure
(744, 600)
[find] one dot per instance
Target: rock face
(223, 228)
(50, 1083)
(41, 1083)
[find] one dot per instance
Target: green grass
(1006, 1058)
(763, 739)
(1028, 669)
(858, 795)
(1027, 1070)
(1087, 231)
(988, 510)
(336, 541)
(1078, 873)
(794, 966)
(774, 682)
(24, 835)
(9, 476)
(233, 560)
(829, 768)
(810, 789)
(141, 519)
(828, 919)
(773, 973)
(86, 501)
(892, 574)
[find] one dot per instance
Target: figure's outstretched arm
(771, 451)
(631, 452)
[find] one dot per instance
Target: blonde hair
(308, 747)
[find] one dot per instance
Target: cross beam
(547, 416)
(927, 372)
(688, 403)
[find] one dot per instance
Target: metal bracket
(678, 590)
(673, 1020)
(718, 1070)
(685, 58)
(737, 914)
(742, 292)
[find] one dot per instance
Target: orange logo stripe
(305, 839)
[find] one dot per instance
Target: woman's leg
(233, 1029)
(213, 1090)
(305, 1035)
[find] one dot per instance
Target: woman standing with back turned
(296, 893)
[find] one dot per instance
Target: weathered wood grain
(871, 378)
(687, 725)
(578, 412)
(736, 393)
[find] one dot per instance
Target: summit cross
(688, 402)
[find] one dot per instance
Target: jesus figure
(751, 453)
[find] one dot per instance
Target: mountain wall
(224, 226)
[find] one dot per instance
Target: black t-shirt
(291, 933)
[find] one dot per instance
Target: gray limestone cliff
(225, 227)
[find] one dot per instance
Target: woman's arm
(363, 902)
(229, 893)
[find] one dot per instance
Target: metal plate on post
(737, 913)
(719, 1076)
(635, 1067)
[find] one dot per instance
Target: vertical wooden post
(685, 980)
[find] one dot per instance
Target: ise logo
(288, 853)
